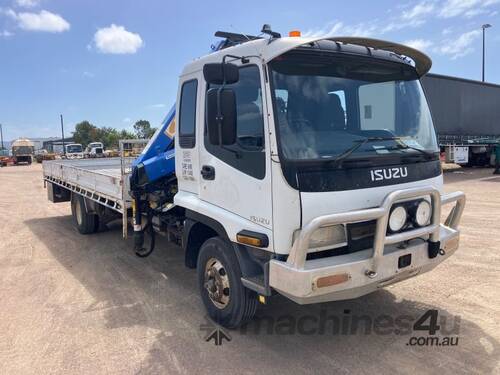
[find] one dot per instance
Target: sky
(113, 62)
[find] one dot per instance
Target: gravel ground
(86, 304)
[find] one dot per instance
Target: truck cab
(319, 160)
(95, 150)
(22, 151)
(74, 151)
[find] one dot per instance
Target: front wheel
(227, 301)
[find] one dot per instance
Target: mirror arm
(244, 59)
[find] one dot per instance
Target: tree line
(86, 132)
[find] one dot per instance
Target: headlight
(422, 213)
(397, 218)
(328, 237)
(325, 238)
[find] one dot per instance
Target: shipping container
(466, 116)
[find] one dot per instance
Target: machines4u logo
(428, 322)
(214, 333)
(428, 329)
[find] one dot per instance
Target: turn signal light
(248, 240)
(294, 33)
(252, 238)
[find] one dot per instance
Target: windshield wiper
(337, 162)
(404, 146)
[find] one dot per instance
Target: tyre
(85, 223)
(226, 300)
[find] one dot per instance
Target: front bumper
(353, 275)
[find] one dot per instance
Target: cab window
(248, 154)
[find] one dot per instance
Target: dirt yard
(86, 304)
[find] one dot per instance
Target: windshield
(74, 148)
(22, 150)
(328, 105)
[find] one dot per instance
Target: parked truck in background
(307, 167)
(94, 150)
(22, 151)
(74, 151)
(466, 116)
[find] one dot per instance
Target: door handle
(208, 172)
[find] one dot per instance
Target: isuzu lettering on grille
(388, 173)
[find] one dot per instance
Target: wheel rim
(217, 283)
(79, 213)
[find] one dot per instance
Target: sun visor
(421, 61)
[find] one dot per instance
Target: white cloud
(338, 28)
(447, 30)
(412, 17)
(409, 17)
(475, 12)
(127, 120)
(418, 11)
(420, 44)
(115, 39)
(367, 29)
(159, 105)
(401, 24)
(8, 12)
(467, 8)
(5, 34)
(27, 3)
(460, 46)
(42, 21)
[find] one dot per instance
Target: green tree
(125, 134)
(143, 129)
(109, 137)
(85, 132)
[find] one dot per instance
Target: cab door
(237, 178)
(187, 142)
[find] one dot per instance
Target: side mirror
(221, 116)
(220, 73)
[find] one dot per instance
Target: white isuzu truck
(307, 167)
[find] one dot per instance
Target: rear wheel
(227, 301)
(85, 223)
